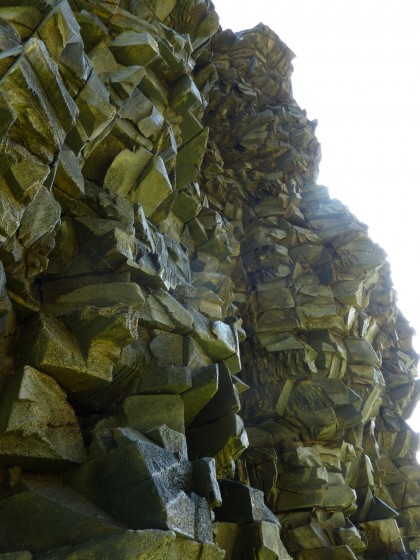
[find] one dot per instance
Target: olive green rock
(144, 412)
(197, 343)
(139, 545)
(132, 481)
(134, 48)
(205, 383)
(16, 556)
(38, 428)
(75, 518)
(153, 187)
(189, 159)
(327, 553)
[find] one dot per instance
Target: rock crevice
(201, 353)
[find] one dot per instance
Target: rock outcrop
(201, 352)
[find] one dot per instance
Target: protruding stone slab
(205, 383)
(205, 481)
(141, 483)
(53, 349)
(327, 553)
(263, 538)
(154, 186)
(144, 412)
(38, 428)
(133, 48)
(243, 503)
(131, 545)
(383, 537)
(189, 159)
(123, 173)
(75, 518)
(104, 295)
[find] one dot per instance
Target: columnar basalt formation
(201, 353)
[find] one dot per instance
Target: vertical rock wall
(328, 356)
(200, 350)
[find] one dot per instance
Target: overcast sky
(357, 70)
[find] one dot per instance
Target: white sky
(357, 70)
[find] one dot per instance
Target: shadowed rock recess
(201, 354)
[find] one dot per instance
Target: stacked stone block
(201, 351)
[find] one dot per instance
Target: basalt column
(328, 356)
(201, 356)
(119, 401)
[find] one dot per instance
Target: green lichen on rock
(201, 355)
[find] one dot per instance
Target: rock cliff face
(201, 354)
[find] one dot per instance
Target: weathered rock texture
(168, 258)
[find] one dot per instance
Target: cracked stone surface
(201, 353)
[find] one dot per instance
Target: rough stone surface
(201, 353)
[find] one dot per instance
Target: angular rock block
(189, 159)
(225, 535)
(54, 350)
(144, 412)
(225, 440)
(76, 520)
(123, 174)
(215, 337)
(162, 378)
(134, 48)
(176, 443)
(139, 545)
(205, 384)
(262, 541)
(383, 537)
(205, 481)
(39, 429)
(144, 486)
(327, 553)
(164, 246)
(153, 188)
(244, 504)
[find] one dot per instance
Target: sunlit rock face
(201, 354)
